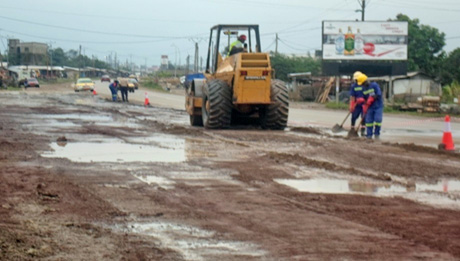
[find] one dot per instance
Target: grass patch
(12, 88)
(151, 84)
(387, 109)
(337, 106)
(56, 81)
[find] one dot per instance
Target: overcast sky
(146, 29)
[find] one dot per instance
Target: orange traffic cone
(447, 141)
(94, 92)
(146, 101)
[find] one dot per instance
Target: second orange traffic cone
(146, 101)
(447, 140)
(94, 92)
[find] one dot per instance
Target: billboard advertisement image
(355, 40)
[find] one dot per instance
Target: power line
(294, 48)
(270, 45)
(86, 42)
(267, 4)
(95, 32)
(102, 16)
(321, 14)
(417, 6)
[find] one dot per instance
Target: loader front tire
(217, 105)
(275, 115)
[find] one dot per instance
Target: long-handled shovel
(338, 128)
(353, 133)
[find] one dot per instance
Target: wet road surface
(403, 129)
(85, 178)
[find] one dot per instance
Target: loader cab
(222, 36)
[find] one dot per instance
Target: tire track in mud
(411, 222)
(297, 159)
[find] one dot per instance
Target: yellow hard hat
(361, 78)
(356, 74)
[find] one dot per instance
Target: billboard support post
(390, 89)
(337, 86)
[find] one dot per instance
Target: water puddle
(81, 117)
(201, 178)
(194, 243)
(49, 125)
(437, 194)
(339, 186)
(160, 148)
(160, 181)
(116, 152)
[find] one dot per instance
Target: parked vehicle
(105, 78)
(132, 83)
(29, 82)
(132, 76)
(84, 84)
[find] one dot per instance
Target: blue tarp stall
(190, 77)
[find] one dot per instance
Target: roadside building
(27, 53)
(408, 88)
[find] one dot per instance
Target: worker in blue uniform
(357, 100)
(114, 90)
(373, 108)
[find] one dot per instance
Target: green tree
(451, 67)
(58, 56)
(424, 47)
(285, 65)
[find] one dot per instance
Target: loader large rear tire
(217, 105)
(275, 115)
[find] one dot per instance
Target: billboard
(366, 41)
(164, 60)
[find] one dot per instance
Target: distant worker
(237, 46)
(114, 90)
(357, 99)
(124, 89)
(373, 108)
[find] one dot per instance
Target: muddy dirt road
(85, 179)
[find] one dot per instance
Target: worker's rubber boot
(363, 132)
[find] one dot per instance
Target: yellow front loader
(238, 85)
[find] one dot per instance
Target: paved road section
(397, 129)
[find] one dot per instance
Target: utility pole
(363, 8)
(196, 59)
(276, 46)
(188, 64)
(116, 62)
(131, 62)
(79, 64)
(51, 58)
(195, 62)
